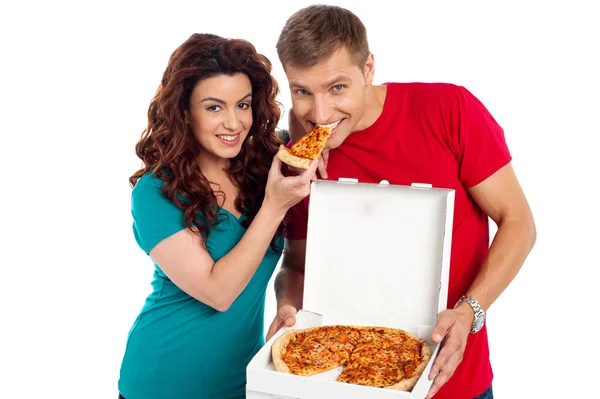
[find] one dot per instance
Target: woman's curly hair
(169, 149)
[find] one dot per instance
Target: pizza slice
(302, 353)
(308, 148)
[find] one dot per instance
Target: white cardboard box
(377, 254)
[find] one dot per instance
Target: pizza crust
(287, 157)
(409, 384)
(278, 350)
(280, 346)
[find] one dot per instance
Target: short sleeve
(154, 216)
(477, 139)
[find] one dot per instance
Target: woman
(208, 207)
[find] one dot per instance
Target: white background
(76, 80)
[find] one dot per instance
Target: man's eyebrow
(326, 85)
(296, 85)
(335, 79)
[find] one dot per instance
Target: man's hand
(323, 160)
(286, 316)
(321, 167)
(453, 327)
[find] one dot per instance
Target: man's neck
(374, 99)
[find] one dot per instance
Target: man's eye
(302, 92)
(338, 87)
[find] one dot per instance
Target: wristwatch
(479, 314)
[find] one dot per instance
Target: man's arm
(503, 200)
(500, 196)
(289, 285)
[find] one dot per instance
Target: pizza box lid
(378, 254)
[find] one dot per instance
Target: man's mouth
(331, 126)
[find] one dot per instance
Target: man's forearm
(289, 286)
(510, 247)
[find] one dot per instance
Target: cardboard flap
(378, 254)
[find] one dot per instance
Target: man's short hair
(312, 34)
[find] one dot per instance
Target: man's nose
(323, 110)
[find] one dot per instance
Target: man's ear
(369, 69)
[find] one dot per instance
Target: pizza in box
(371, 356)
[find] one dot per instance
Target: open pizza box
(377, 255)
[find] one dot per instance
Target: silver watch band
(478, 313)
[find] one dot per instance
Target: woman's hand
(281, 192)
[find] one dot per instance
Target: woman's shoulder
(149, 179)
(148, 192)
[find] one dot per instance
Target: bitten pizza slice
(308, 148)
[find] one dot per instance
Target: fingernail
(437, 337)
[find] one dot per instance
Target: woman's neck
(214, 168)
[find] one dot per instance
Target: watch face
(479, 323)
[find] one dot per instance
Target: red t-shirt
(443, 135)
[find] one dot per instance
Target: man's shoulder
(429, 97)
(425, 89)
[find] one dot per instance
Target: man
(404, 133)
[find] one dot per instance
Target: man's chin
(332, 146)
(335, 140)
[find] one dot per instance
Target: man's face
(331, 92)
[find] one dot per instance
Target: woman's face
(220, 114)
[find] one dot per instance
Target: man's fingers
(435, 387)
(325, 156)
(452, 347)
(322, 168)
(273, 328)
(286, 311)
(439, 379)
(440, 362)
(290, 321)
(446, 372)
(443, 325)
(287, 315)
